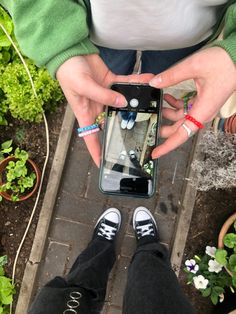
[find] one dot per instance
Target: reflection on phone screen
(130, 138)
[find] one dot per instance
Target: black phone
(130, 135)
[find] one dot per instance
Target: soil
(14, 216)
(211, 210)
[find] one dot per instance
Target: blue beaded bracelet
(87, 128)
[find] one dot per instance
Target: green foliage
(16, 94)
(228, 255)
(18, 179)
(6, 148)
(6, 288)
(7, 53)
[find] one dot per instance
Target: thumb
(178, 73)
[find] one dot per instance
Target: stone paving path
(80, 203)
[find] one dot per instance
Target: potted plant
(19, 175)
(214, 272)
(226, 253)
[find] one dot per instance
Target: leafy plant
(214, 272)
(16, 95)
(18, 179)
(6, 288)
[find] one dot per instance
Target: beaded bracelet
(197, 123)
(91, 131)
(100, 118)
(87, 128)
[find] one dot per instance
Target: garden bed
(211, 210)
(15, 216)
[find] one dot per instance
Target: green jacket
(52, 31)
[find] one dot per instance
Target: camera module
(134, 102)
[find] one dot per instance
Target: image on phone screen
(130, 136)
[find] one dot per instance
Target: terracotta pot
(225, 229)
(36, 170)
(230, 124)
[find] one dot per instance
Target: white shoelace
(145, 230)
(107, 231)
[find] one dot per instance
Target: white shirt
(152, 24)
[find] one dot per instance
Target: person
(88, 45)
(152, 286)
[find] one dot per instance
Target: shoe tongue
(110, 223)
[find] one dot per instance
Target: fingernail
(121, 102)
(155, 81)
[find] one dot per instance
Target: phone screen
(131, 134)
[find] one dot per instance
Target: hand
(85, 81)
(214, 74)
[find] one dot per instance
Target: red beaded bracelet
(197, 123)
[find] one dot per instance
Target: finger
(175, 140)
(172, 101)
(134, 78)
(168, 130)
(173, 115)
(89, 88)
(182, 71)
(94, 147)
(85, 114)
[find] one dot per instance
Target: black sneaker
(108, 224)
(144, 224)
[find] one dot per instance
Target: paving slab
(78, 204)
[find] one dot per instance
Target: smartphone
(130, 135)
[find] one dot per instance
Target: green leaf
(214, 298)
(3, 260)
(220, 256)
(2, 273)
(234, 280)
(21, 154)
(218, 290)
(4, 41)
(6, 144)
(206, 292)
(230, 240)
(232, 260)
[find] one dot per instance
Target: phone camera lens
(134, 102)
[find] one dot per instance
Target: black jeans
(152, 286)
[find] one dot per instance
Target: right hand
(85, 81)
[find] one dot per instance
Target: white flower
(210, 250)
(214, 266)
(192, 266)
(200, 282)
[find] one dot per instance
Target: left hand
(214, 74)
